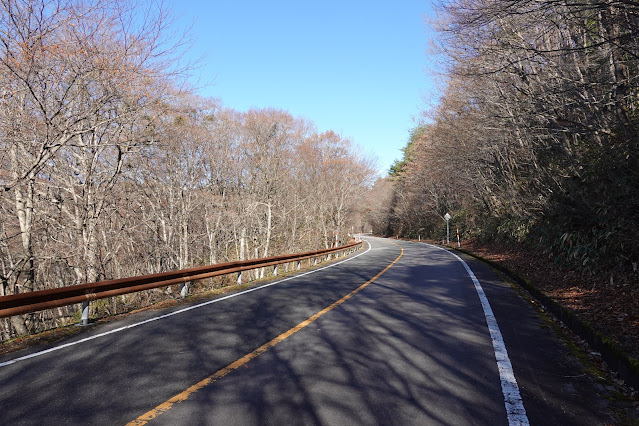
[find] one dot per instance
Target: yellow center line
(182, 396)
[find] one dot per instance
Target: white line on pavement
(512, 398)
(199, 305)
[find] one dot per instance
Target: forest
(534, 141)
(112, 166)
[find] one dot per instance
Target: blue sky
(355, 67)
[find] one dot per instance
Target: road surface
(394, 334)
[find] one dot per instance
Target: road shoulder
(556, 386)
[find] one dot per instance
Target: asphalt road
(409, 346)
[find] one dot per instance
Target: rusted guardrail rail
(22, 303)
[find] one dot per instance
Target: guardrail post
(84, 319)
(314, 261)
(184, 290)
(275, 270)
(239, 277)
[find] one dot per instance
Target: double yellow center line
(182, 396)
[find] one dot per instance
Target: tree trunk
(24, 211)
(242, 244)
(269, 218)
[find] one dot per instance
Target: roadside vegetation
(533, 148)
(111, 166)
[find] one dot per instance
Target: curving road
(396, 334)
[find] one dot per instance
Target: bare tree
(78, 81)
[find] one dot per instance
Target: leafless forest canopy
(535, 138)
(110, 168)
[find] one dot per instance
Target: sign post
(447, 217)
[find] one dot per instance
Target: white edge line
(512, 398)
(180, 311)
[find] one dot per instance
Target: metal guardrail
(34, 301)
